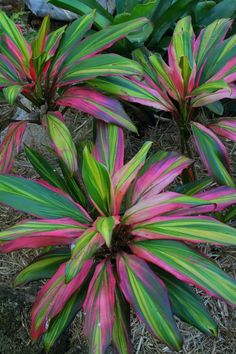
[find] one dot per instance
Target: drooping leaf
(99, 308)
(104, 108)
(109, 146)
(35, 199)
(64, 318)
(10, 145)
(53, 297)
(40, 233)
(121, 329)
(97, 182)
(187, 305)
(148, 296)
(213, 154)
(225, 127)
(42, 267)
(187, 265)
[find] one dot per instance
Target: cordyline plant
(130, 250)
(52, 71)
(200, 72)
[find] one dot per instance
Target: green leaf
(105, 226)
(149, 298)
(97, 182)
(194, 187)
(38, 44)
(166, 20)
(81, 7)
(223, 9)
(216, 107)
(202, 9)
(187, 305)
(43, 267)
(11, 93)
(44, 169)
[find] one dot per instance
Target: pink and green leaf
(43, 201)
(157, 173)
(127, 174)
(12, 92)
(186, 228)
(164, 204)
(10, 145)
(99, 308)
(40, 233)
(53, 297)
(104, 108)
(187, 265)
(213, 154)
(148, 296)
(109, 146)
(222, 197)
(225, 127)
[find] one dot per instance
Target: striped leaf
(103, 39)
(11, 93)
(225, 127)
(10, 145)
(97, 182)
(42, 267)
(40, 233)
(9, 28)
(83, 249)
(105, 226)
(208, 38)
(99, 308)
(62, 140)
(164, 204)
(59, 323)
(187, 265)
(133, 91)
(53, 297)
(186, 305)
(99, 106)
(213, 154)
(109, 146)
(148, 296)
(36, 199)
(192, 188)
(157, 173)
(192, 229)
(99, 65)
(222, 197)
(121, 329)
(126, 175)
(38, 45)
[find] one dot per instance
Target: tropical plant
(162, 14)
(200, 72)
(53, 69)
(129, 250)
